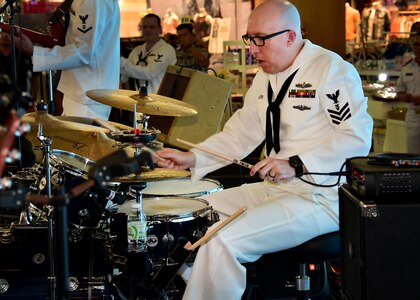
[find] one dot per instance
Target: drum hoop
(68, 167)
(218, 187)
(175, 218)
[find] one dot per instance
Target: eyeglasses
(260, 40)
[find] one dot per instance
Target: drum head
(71, 161)
(181, 187)
(174, 209)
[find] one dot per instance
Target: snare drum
(71, 163)
(172, 218)
(183, 187)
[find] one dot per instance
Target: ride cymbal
(150, 104)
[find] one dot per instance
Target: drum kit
(96, 227)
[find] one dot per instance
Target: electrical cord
(339, 174)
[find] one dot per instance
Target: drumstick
(218, 154)
(205, 238)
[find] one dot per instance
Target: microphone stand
(12, 38)
(14, 68)
(62, 251)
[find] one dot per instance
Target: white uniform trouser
(412, 125)
(276, 219)
(73, 107)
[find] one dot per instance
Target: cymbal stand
(46, 147)
(51, 94)
(144, 121)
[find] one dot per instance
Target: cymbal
(151, 104)
(91, 121)
(80, 138)
(50, 121)
(152, 175)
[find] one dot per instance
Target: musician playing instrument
(88, 60)
(321, 121)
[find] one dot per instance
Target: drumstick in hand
(208, 235)
(225, 157)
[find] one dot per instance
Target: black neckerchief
(274, 108)
(144, 61)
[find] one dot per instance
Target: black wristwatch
(296, 162)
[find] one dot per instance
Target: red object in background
(39, 6)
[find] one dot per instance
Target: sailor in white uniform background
(408, 90)
(88, 60)
(322, 121)
(149, 61)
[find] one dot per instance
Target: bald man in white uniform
(307, 103)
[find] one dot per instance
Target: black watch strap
(296, 163)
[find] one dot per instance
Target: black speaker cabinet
(380, 246)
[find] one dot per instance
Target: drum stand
(60, 291)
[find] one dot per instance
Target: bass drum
(172, 218)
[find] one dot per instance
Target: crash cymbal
(51, 122)
(151, 104)
(92, 145)
(91, 121)
(153, 175)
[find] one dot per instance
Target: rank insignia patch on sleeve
(338, 114)
(83, 19)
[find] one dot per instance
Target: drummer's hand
(175, 159)
(274, 169)
(23, 43)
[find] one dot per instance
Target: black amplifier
(380, 255)
(384, 174)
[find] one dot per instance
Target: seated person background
(190, 52)
(148, 62)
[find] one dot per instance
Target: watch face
(295, 161)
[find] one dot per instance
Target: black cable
(339, 174)
(178, 73)
(211, 69)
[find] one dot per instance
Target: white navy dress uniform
(409, 82)
(149, 65)
(89, 59)
(324, 120)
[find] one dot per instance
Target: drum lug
(214, 217)
(57, 179)
(168, 240)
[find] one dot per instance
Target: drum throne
(303, 275)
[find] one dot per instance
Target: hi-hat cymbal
(152, 175)
(52, 122)
(151, 104)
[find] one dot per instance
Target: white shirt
(323, 132)
(152, 70)
(90, 57)
(409, 81)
